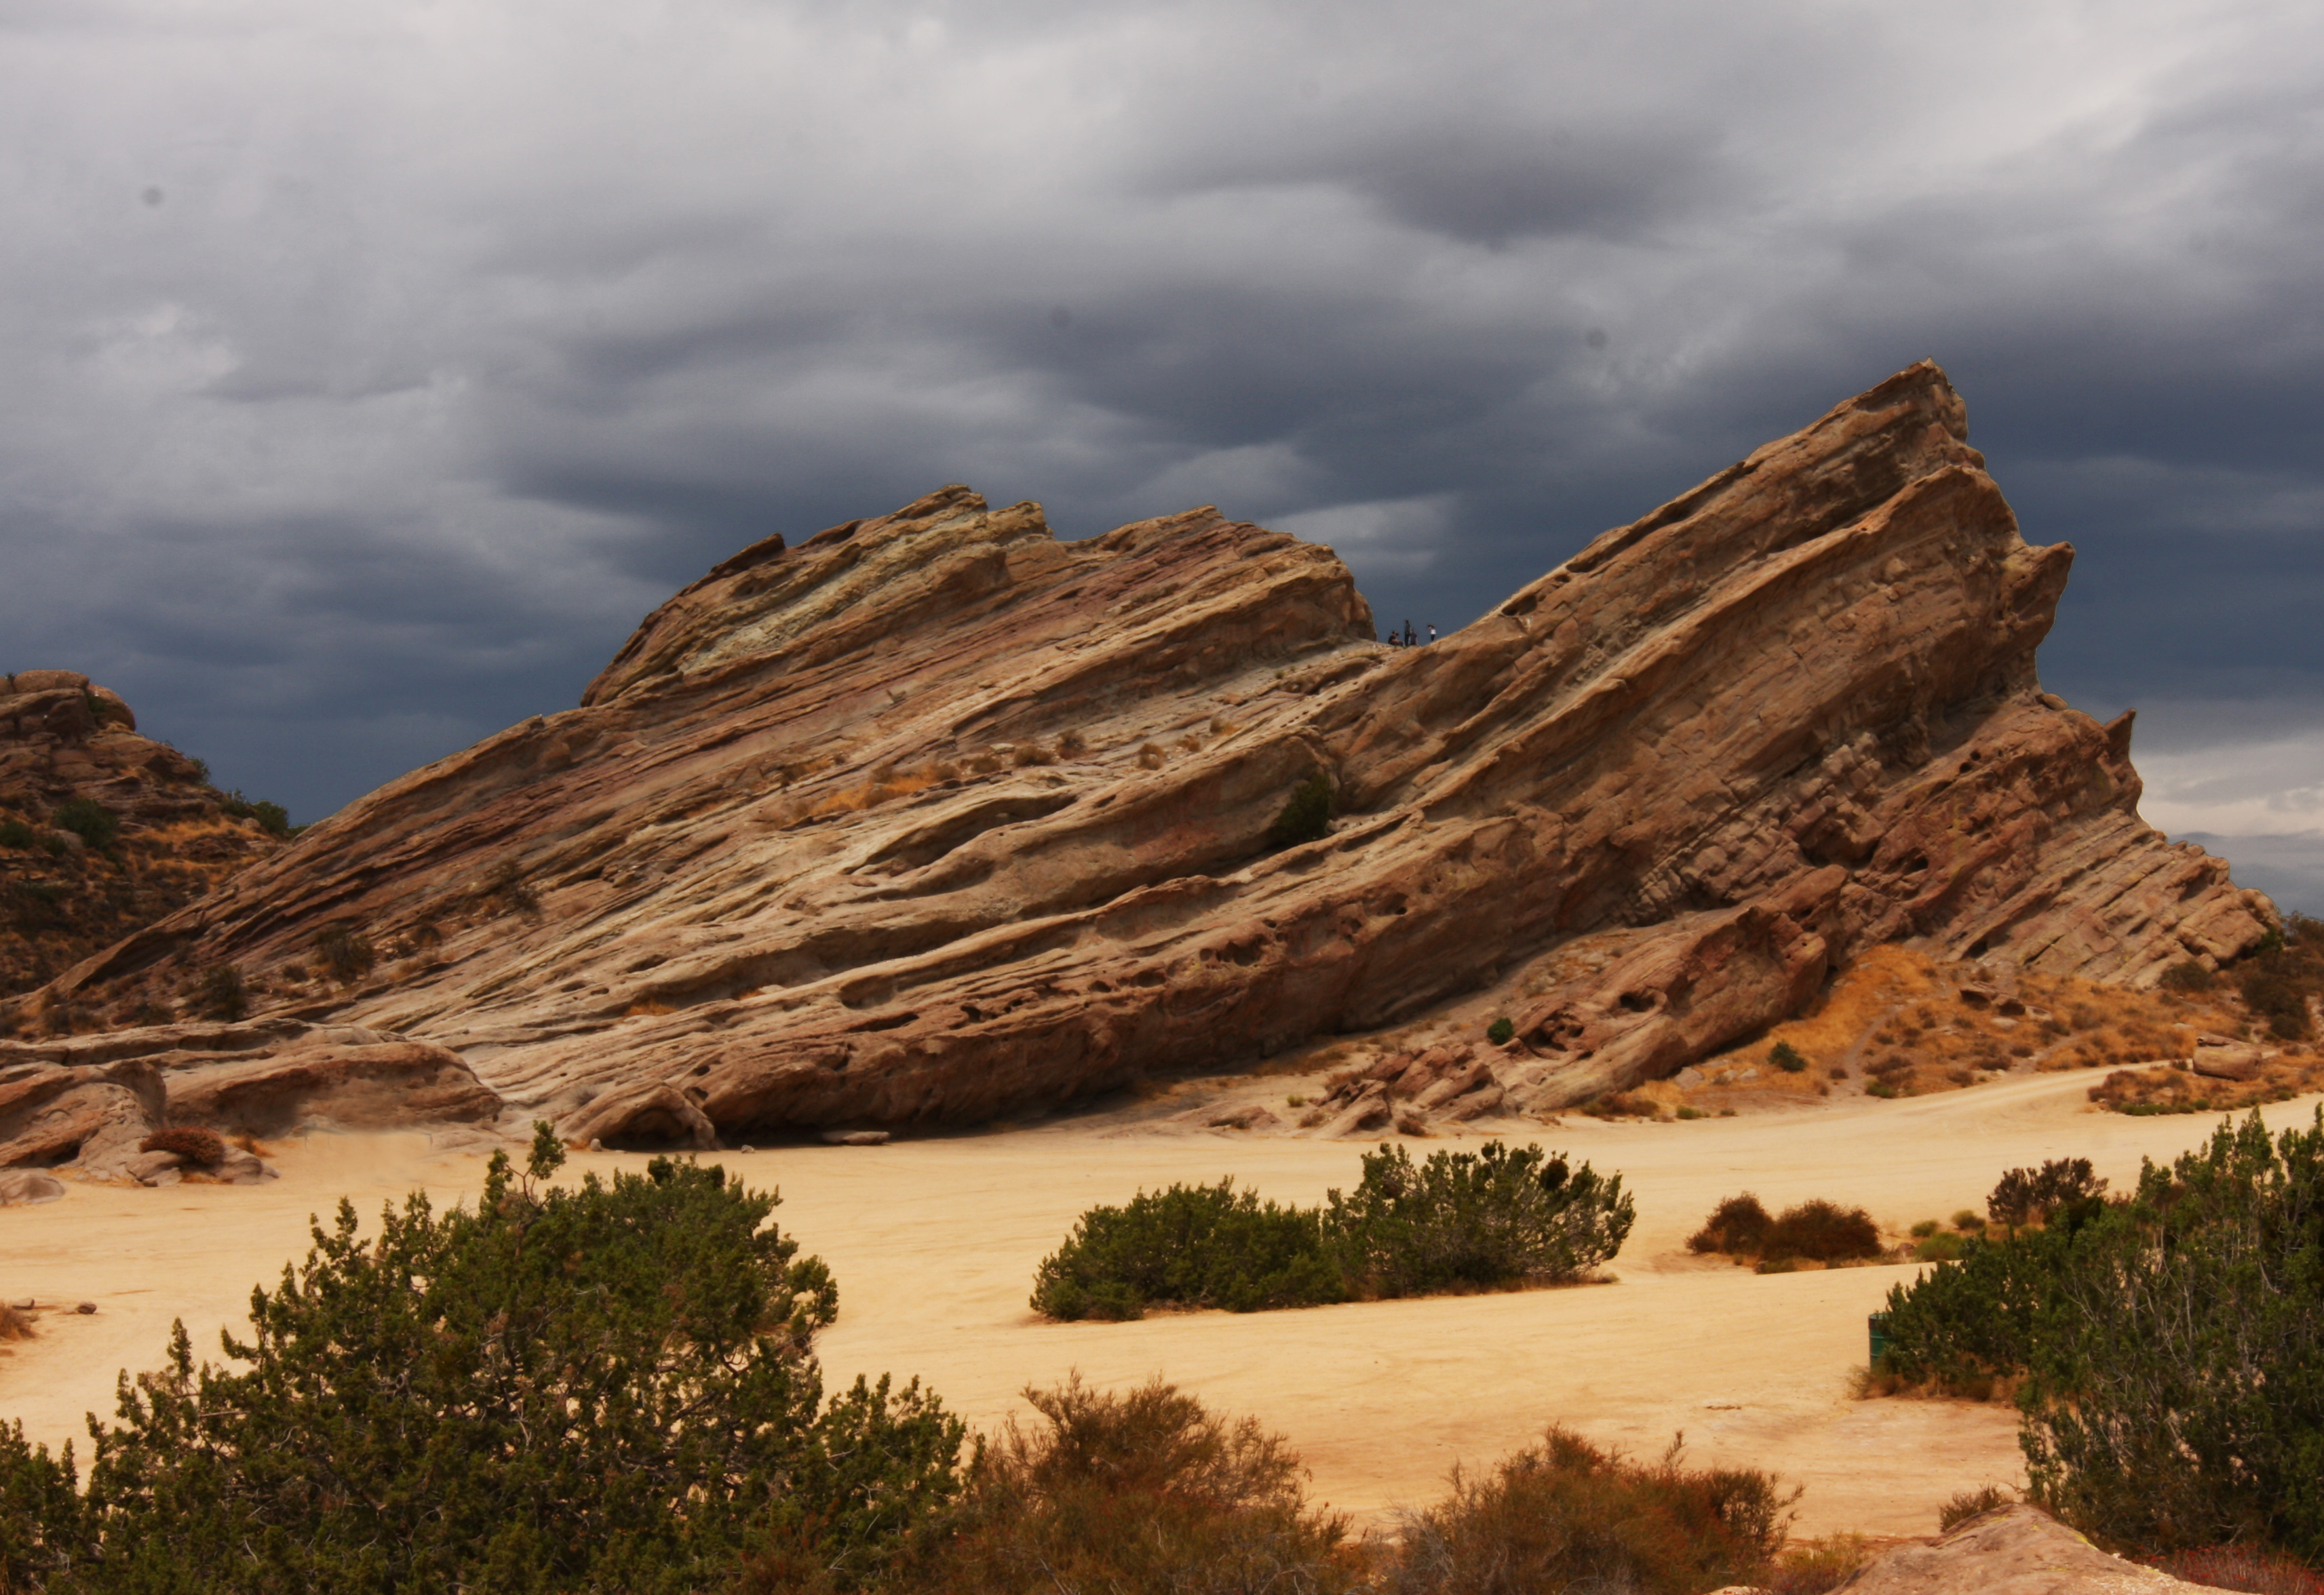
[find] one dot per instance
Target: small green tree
(1501, 1031)
(1306, 815)
(608, 1388)
(1787, 1057)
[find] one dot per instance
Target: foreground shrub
(1190, 1246)
(345, 952)
(1566, 1515)
(608, 1388)
(1493, 1219)
(2172, 1346)
(1134, 1492)
(1971, 1503)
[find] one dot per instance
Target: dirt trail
(935, 1243)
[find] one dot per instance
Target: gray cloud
(372, 370)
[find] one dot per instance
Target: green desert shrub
(272, 817)
(1492, 1219)
(1501, 1031)
(89, 820)
(2171, 1345)
(2188, 976)
(1190, 1246)
(1306, 816)
(1488, 1220)
(220, 995)
(1787, 1057)
(15, 833)
(1569, 1516)
(609, 1388)
(1140, 1491)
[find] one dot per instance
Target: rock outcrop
(2015, 1550)
(934, 818)
(150, 833)
(89, 1100)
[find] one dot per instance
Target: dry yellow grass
(1892, 1023)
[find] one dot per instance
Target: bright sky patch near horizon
(372, 369)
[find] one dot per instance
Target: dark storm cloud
(459, 336)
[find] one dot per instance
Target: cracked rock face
(934, 818)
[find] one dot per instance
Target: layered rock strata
(934, 818)
(153, 835)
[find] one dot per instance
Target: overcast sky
(367, 370)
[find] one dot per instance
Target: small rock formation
(2014, 1550)
(90, 1100)
(934, 820)
(64, 895)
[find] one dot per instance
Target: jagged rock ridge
(934, 818)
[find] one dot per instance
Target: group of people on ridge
(1406, 639)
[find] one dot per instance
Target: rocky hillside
(934, 818)
(103, 832)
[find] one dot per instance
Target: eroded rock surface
(160, 835)
(2017, 1549)
(934, 818)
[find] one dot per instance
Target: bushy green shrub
(1190, 1246)
(1306, 814)
(2188, 976)
(1134, 1492)
(89, 820)
(1569, 1516)
(2171, 1344)
(1787, 1057)
(1736, 1226)
(1939, 1246)
(15, 833)
(1501, 1031)
(1491, 1219)
(608, 1388)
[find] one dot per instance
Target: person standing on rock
(1431, 631)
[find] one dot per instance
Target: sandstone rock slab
(2017, 1549)
(931, 818)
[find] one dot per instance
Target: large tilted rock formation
(934, 817)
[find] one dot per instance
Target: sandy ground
(935, 1243)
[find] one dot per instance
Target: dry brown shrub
(205, 1148)
(985, 763)
(1027, 754)
(15, 1324)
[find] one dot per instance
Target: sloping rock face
(2017, 1549)
(161, 836)
(934, 818)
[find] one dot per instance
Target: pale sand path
(935, 1243)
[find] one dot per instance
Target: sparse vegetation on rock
(1306, 814)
